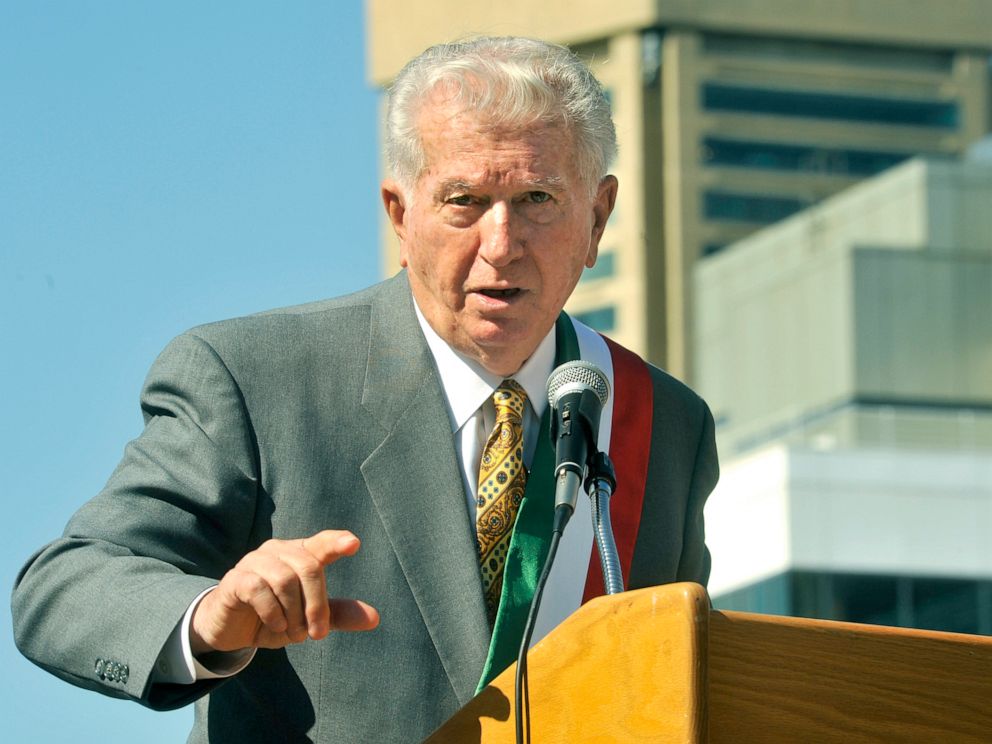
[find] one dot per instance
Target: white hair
(511, 82)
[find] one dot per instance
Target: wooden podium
(658, 665)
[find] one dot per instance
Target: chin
(497, 340)
(499, 332)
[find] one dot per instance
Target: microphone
(577, 392)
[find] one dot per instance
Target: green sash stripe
(531, 533)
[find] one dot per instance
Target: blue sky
(162, 164)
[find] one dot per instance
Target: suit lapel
(416, 485)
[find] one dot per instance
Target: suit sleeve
(96, 606)
(694, 563)
(682, 471)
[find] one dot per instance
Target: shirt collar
(468, 385)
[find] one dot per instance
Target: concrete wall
(871, 511)
(881, 293)
(400, 30)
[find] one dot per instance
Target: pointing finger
(329, 545)
(311, 617)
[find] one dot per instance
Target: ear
(394, 201)
(602, 208)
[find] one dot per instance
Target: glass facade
(729, 206)
(804, 158)
(604, 269)
(601, 319)
(930, 603)
(853, 55)
(830, 106)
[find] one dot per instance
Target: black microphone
(577, 392)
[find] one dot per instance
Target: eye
(460, 200)
(538, 197)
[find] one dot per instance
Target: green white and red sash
(630, 450)
(630, 441)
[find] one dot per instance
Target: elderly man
(217, 563)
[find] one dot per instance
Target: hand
(277, 595)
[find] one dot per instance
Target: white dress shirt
(468, 390)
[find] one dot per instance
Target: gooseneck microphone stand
(600, 484)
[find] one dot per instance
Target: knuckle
(253, 590)
(250, 583)
(311, 569)
(283, 580)
(269, 613)
(316, 614)
(297, 634)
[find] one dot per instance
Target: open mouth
(500, 294)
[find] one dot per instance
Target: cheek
(561, 276)
(578, 251)
(440, 265)
(417, 250)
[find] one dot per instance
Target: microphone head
(576, 377)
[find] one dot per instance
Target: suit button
(98, 668)
(124, 674)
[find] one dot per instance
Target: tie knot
(509, 400)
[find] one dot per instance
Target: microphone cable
(521, 687)
(577, 392)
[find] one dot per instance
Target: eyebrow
(455, 185)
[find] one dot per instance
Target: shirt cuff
(177, 665)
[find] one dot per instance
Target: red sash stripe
(630, 449)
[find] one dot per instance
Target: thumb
(352, 614)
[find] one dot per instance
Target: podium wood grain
(626, 668)
(784, 679)
(656, 665)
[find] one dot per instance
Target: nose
(499, 239)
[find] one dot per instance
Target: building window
(953, 605)
(728, 206)
(601, 319)
(948, 604)
(854, 598)
(859, 56)
(604, 268)
(808, 158)
(772, 596)
(833, 106)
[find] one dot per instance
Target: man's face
(495, 233)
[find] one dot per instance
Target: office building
(847, 355)
(731, 115)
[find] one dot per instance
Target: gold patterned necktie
(502, 480)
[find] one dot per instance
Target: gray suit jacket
(328, 415)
